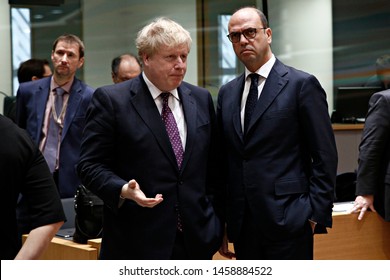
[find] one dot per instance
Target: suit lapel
(40, 96)
(75, 96)
(272, 88)
(144, 104)
(190, 112)
(236, 93)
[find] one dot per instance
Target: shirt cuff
(121, 201)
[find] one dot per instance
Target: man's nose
(243, 39)
(180, 63)
(64, 58)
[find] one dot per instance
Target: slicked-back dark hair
(30, 68)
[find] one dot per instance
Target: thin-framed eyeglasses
(248, 33)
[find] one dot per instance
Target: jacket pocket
(279, 114)
(291, 186)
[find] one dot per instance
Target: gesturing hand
(133, 191)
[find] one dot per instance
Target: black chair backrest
(9, 106)
(68, 205)
(345, 187)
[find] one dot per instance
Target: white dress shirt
(263, 72)
(174, 104)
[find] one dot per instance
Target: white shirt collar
(265, 69)
(155, 91)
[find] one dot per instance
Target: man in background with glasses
(280, 150)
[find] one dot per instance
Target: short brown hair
(71, 38)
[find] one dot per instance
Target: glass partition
(338, 41)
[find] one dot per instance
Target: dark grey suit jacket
(284, 168)
(373, 176)
(125, 139)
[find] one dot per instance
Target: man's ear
(145, 59)
(81, 62)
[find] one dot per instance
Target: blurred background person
(52, 110)
(23, 170)
(125, 67)
(373, 173)
(33, 69)
(382, 77)
(29, 70)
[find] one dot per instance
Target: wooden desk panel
(62, 249)
(350, 239)
(345, 126)
(95, 243)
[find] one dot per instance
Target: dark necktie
(54, 130)
(172, 130)
(251, 100)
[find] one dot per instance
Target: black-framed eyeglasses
(248, 33)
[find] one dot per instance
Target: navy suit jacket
(284, 168)
(373, 176)
(125, 139)
(31, 106)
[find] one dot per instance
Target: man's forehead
(173, 49)
(67, 45)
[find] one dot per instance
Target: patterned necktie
(251, 100)
(172, 130)
(54, 131)
(174, 137)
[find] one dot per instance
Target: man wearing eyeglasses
(281, 157)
